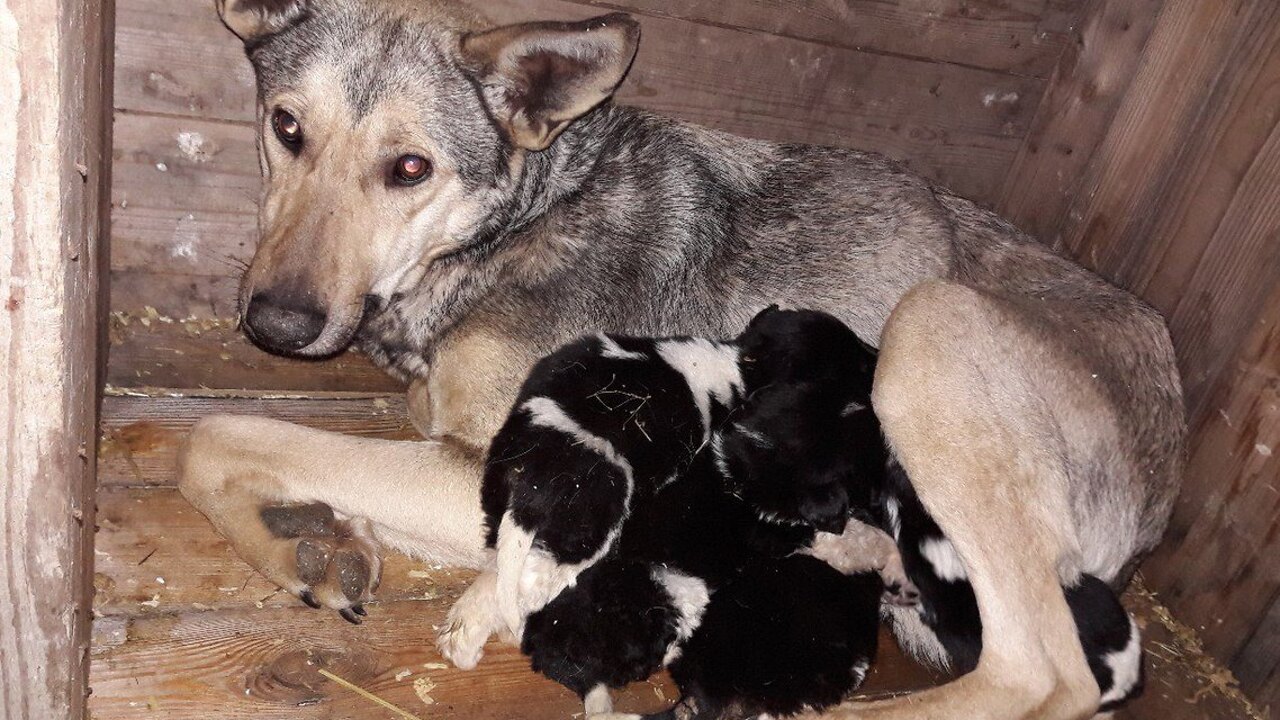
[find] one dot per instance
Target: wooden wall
(1156, 161)
(54, 142)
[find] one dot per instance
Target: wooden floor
(186, 630)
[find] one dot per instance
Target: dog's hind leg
(309, 508)
(960, 394)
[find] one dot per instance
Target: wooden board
(55, 141)
(1021, 37)
(1092, 77)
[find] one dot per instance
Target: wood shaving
(422, 687)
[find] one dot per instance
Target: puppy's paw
(461, 640)
(898, 588)
(328, 563)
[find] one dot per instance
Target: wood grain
(54, 170)
(1219, 566)
(1018, 37)
(1089, 83)
(140, 436)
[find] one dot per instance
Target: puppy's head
(782, 454)
(392, 139)
(805, 346)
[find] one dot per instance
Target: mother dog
(458, 199)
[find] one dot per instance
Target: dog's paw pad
(335, 562)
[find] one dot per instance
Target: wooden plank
(1020, 37)
(54, 150)
(140, 436)
(958, 124)
(185, 197)
(205, 353)
(263, 664)
(1218, 568)
(1077, 109)
(1185, 175)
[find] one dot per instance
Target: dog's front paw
(334, 563)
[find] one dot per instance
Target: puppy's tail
(514, 545)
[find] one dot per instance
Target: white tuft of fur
(710, 368)
(689, 596)
(894, 510)
(946, 562)
(859, 671)
(1126, 666)
(529, 578)
(609, 348)
(915, 637)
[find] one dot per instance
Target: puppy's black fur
(766, 648)
(694, 522)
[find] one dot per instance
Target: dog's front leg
(308, 508)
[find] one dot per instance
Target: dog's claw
(359, 610)
(310, 599)
(350, 616)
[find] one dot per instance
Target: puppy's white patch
(1126, 666)
(529, 578)
(946, 562)
(689, 596)
(894, 510)
(717, 451)
(710, 368)
(859, 671)
(609, 348)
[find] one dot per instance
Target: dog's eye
(411, 169)
(288, 129)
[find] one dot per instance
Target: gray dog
(458, 200)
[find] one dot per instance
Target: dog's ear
(255, 19)
(539, 77)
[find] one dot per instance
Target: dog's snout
(280, 324)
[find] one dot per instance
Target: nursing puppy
(607, 434)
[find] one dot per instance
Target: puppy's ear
(255, 19)
(539, 77)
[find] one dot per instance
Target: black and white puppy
(613, 526)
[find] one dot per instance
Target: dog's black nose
(282, 325)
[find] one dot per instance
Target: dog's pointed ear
(255, 19)
(539, 77)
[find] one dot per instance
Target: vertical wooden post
(54, 163)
